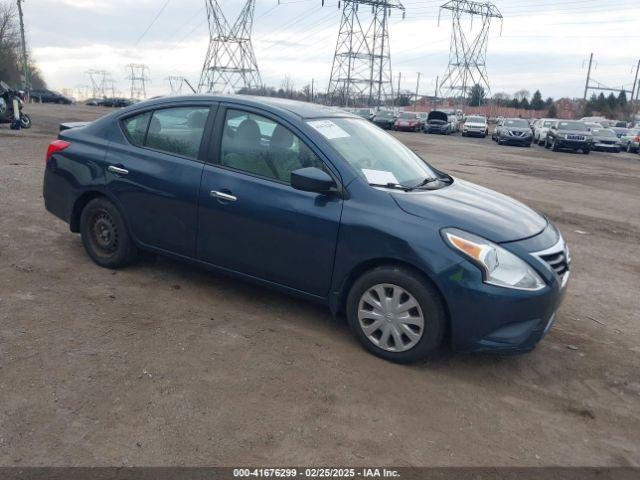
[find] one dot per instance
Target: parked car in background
(475, 125)
(513, 131)
(49, 96)
(540, 129)
(631, 140)
(408, 121)
(569, 135)
(620, 131)
(593, 125)
(605, 140)
(317, 203)
(437, 122)
(384, 119)
(363, 113)
(116, 102)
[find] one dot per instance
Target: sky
(541, 44)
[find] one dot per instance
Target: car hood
(518, 129)
(574, 132)
(437, 115)
(475, 124)
(475, 209)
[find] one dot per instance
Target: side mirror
(312, 179)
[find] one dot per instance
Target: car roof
(303, 110)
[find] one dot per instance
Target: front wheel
(25, 120)
(105, 236)
(396, 315)
(586, 151)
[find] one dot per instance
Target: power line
(153, 21)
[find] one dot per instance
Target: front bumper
(608, 147)
(436, 128)
(509, 140)
(475, 132)
(487, 318)
(572, 144)
(405, 127)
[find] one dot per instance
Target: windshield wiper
(396, 186)
(425, 182)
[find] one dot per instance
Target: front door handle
(118, 170)
(223, 196)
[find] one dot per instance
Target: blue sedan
(318, 203)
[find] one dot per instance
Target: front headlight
(499, 266)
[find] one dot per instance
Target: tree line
(10, 50)
(611, 106)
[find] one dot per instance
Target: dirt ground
(165, 364)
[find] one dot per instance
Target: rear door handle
(118, 170)
(223, 196)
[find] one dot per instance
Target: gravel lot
(166, 364)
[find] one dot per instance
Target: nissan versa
(318, 203)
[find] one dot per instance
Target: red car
(408, 121)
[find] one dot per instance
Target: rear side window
(177, 130)
(136, 127)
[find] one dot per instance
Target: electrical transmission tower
(100, 82)
(468, 50)
(139, 77)
(177, 84)
(361, 71)
(230, 63)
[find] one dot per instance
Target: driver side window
(257, 145)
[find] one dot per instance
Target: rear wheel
(395, 314)
(105, 236)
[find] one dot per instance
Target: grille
(557, 261)
(580, 138)
(517, 134)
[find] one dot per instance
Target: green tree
(600, 103)
(553, 111)
(476, 96)
(525, 104)
(515, 103)
(612, 102)
(622, 99)
(548, 102)
(536, 101)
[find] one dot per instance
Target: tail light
(54, 147)
(637, 139)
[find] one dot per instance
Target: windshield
(384, 114)
(363, 111)
(516, 123)
(409, 116)
(577, 126)
(547, 123)
(377, 156)
(476, 119)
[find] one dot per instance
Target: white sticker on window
(328, 129)
(379, 177)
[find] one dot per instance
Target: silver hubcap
(390, 317)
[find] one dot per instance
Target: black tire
(586, 151)
(105, 236)
(553, 146)
(427, 298)
(25, 121)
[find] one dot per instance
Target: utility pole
(361, 69)
(586, 86)
(415, 103)
(634, 91)
(313, 81)
(230, 63)
(25, 68)
(435, 96)
(468, 47)
(398, 90)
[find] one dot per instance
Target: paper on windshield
(379, 177)
(328, 129)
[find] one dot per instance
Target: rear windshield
(577, 126)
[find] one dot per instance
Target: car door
(250, 218)
(154, 167)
